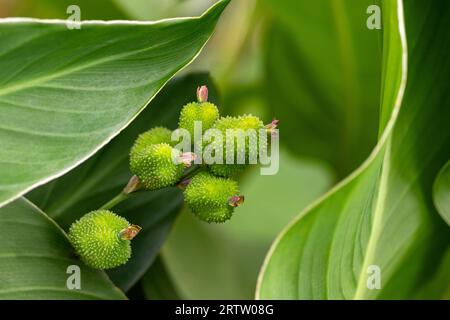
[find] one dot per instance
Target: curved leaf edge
(440, 206)
(53, 222)
(219, 7)
(222, 3)
(383, 141)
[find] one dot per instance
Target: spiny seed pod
(159, 165)
(227, 170)
(252, 142)
(202, 111)
(102, 239)
(212, 198)
(150, 137)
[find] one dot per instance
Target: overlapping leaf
(35, 255)
(66, 93)
(381, 217)
(103, 176)
(441, 193)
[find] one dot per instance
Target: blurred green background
(310, 64)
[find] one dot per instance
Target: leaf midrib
(377, 225)
(381, 197)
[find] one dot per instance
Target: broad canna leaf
(35, 255)
(381, 218)
(66, 93)
(103, 176)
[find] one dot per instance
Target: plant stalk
(134, 185)
(115, 201)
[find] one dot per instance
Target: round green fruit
(252, 142)
(156, 166)
(204, 112)
(151, 137)
(102, 239)
(211, 198)
(227, 170)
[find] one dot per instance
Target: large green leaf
(103, 176)
(441, 193)
(382, 214)
(322, 69)
(66, 93)
(35, 254)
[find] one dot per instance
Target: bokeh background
(309, 64)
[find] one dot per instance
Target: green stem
(192, 172)
(115, 201)
(134, 186)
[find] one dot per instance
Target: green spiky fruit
(205, 112)
(150, 137)
(97, 239)
(208, 197)
(252, 142)
(227, 170)
(155, 166)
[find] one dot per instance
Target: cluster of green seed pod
(212, 195)
(103, 239)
